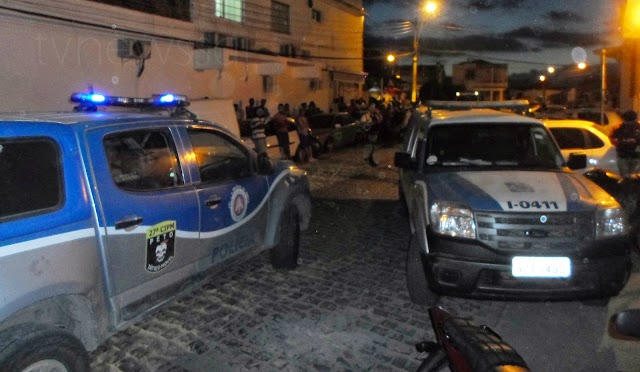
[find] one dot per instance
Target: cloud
(494, 4)
(454, 45)
(564, 16)
(555, 38)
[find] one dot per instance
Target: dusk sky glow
(526, 34)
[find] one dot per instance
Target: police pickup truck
(495, 212)
(105, 215)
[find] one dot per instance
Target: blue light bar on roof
(166, 100)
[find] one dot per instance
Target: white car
(584, 137)
(611, 118)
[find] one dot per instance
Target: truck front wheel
(285, 254)
(32, 348)
(417, 282)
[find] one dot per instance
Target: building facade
(283, 51)
(490, 80)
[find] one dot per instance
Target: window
(492, 145)
(568, 138)
(267, 84)
(574, 138)
(316, 15)
(219, 158)
(143, 160)
(177, 9)
(280, 17)
(230, 9)
(315, 84)
(30, 177)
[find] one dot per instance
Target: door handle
(213, 202)
(128, 222)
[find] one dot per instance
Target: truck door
(147, 212)
(233, 198)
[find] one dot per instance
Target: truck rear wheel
(33, 348)
(285, 254)
(417, 282)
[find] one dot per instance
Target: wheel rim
(47, 365)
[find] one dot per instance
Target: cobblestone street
(345, 308)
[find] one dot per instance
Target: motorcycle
(468, 347)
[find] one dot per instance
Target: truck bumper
(594, 276)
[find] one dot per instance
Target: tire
(329, 145)
(417, 282)
(31, 348)
(316, 148)
(284, 256)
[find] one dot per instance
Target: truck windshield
(492, 145)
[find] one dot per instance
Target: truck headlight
(453, 220)
(610, 222)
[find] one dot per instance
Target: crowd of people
(384, 122)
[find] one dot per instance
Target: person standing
(373, 122)
(281, 122)
(302, 126)
(626, 139)
(250, 110)
(257, 133)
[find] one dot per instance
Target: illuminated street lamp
(429, 8)
(543, 79)
(582, 65)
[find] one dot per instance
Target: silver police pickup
(107, 215)
(496, 212)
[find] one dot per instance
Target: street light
(430, 8)
(544, 90)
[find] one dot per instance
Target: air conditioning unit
(131, 48)
(208, 59)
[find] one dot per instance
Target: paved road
(346, 308)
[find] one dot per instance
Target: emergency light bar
(90, 101)
(466, 105)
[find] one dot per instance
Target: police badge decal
(160, 248)
(238, 203)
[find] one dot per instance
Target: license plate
(541, 267)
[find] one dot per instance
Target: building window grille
(230, 9)
(177, 9)
(280, 21)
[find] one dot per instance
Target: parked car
(334, 130)
(107, 215)
(495, 212)
(584, 137)
(611, 118)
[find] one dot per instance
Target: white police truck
(105, 215)
(496, 212)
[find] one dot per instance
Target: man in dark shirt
(626, 138)
(281, 122)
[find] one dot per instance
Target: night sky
(526, 34)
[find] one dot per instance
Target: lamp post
(429, 8)
(544, 90)
(603, 85)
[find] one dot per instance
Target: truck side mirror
(627, 322)
(577, 161)
(403, 160)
